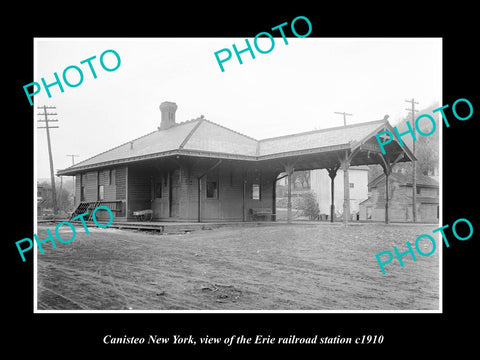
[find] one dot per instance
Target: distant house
(400, 199)
(198, 170)
(320, 184)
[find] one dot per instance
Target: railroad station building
(200, 171)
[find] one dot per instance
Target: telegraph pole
(73, 160)
(346, 182)
(48, 127)
(344, 117)
(73, 182)
(60, 203)
(414, 164)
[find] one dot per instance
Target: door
(159, 190)
(174, 193)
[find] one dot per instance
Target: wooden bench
(261, 212)
(143, 214)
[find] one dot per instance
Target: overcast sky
(294, 88)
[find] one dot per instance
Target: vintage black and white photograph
(212, 175)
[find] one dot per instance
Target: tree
(309, 206)
(427, 153)
(426, 147)
(374, 171)
(64, 199)
(302, 178)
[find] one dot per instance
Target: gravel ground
(284, 267)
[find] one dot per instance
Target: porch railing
(117, 207)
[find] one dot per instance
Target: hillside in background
(64, 191)
(67, 183)
(427, 149)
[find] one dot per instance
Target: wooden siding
(117, 208)
(400, 203)
(77, 190)
(428, 212)
(425, 191)
(266, 195)
(121, 183)
(230, 194)
(185, 185)
(113, 191)
(109, 193)
(139, 194)
(91, 186)
(189, 195)
(163, 207)
(135, 187)
(175, 178)
(228, 206)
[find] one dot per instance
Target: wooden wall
(114, 182)
(134, 186)
(91, 186)
(77, 189)
(400, 203)
(229, 204)
(121, 183)
(138, 190)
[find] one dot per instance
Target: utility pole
(346, 182)
(60, 204)
(48, 127)
(414, 163)
(73, 160)
(344, 117)
(73, 182)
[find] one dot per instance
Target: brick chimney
(168, 114)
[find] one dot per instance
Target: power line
(60, 205)
(73, 182)
(344, 117)
(414, 163)
(73, 156)
(48, 127)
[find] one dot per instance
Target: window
(101, 192)
(82, 193)
(212, 189)
(255, 191)
(418, 190)
(111, 177)
(352, 185)
(158, 190)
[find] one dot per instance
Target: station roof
(203, 138)
(406, 180)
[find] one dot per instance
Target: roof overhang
(167, 154)
(304, 159)
(392, 149)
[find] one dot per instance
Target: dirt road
(285, 267)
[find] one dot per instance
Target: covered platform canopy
(331, 149)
